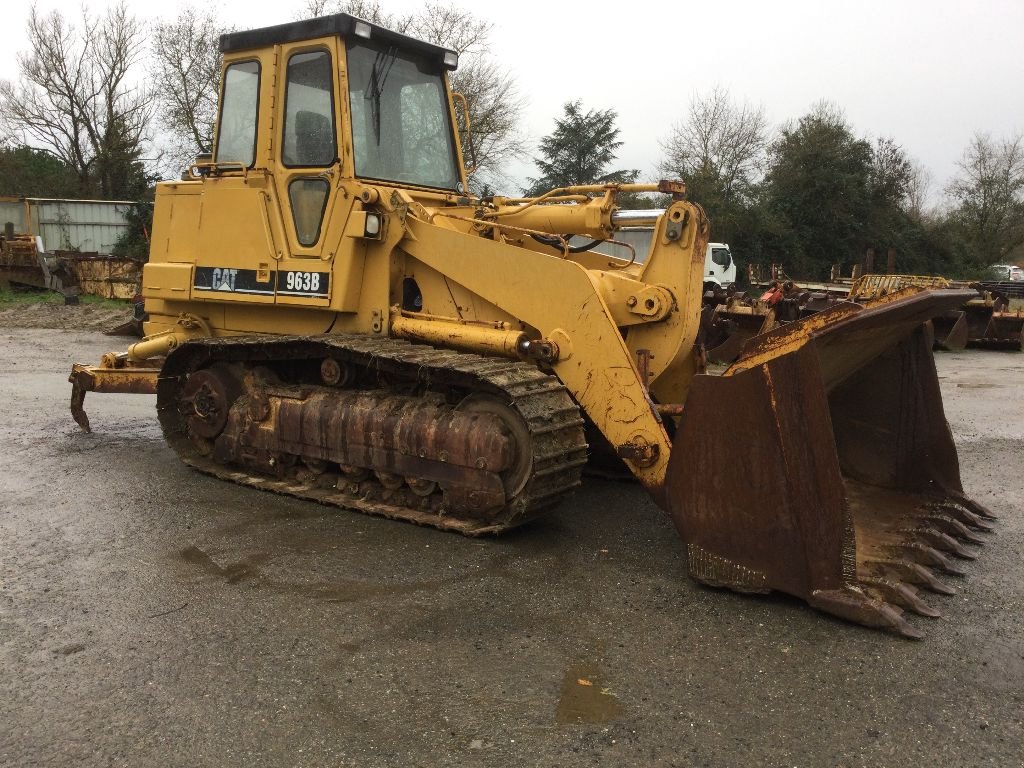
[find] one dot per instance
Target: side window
(309, 136)
(308, 198)
(236, 134)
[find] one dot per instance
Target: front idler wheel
(206, 401)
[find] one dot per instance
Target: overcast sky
(926, 73)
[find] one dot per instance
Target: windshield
(400, 120)
(721, 256)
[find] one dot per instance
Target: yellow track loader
(332, 315)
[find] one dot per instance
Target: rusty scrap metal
(990, 325)
(875, 286)
(1004, 332)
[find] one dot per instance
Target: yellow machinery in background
(334, 316)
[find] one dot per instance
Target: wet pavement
(150, 615)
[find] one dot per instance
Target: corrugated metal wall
(14, 212)
(84, 225)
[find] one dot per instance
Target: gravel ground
(80, 317)
(152, 616)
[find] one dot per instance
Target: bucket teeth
(912, 573)
(972, 506)
(926, 555)
(853, 604)
(982, 525)
(965, 516)
(953, 527)
(943, 543)
(903, 595)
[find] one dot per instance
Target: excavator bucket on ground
(1005, 331)
(950, 330)
(732, 324)
(850, 496)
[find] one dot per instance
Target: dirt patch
(85, 317)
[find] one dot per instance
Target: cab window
(401, 126)
(309, 138)
(308, 198)
(236, 133)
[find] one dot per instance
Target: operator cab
(376, 104)
(304, 108)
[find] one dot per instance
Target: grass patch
(10, 298)
(18, 298)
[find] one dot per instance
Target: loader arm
(594, 362)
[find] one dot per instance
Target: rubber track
(552, 417)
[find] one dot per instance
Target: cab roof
(342, 24)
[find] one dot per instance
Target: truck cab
(1006, 272)
(719, 266)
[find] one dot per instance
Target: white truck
(1006, 272)
(719, 266)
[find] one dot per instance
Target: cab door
(309, 170)
(233, 238)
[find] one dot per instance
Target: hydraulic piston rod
(624, 218)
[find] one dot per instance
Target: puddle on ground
(232, 573)
(334, 592)
(585, 698)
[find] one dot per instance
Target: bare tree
(370, 10)
(918, 195)
(452, 27)
(311, 9)
(76, 99)
(719, 149)
(988, 194)
(494, 102)
(494, 112)
(185, 70)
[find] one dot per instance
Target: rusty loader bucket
(832, 474)
(950, 330)
(1005, 331)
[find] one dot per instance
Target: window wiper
(378, 77)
